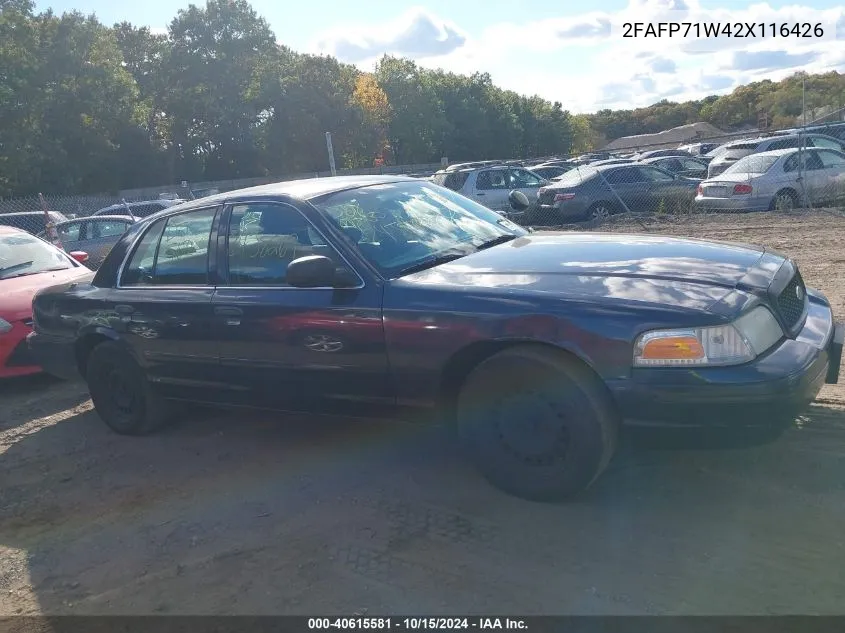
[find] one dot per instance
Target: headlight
(732, 344)
(5, 326)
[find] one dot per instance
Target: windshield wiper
(13, 266)
(31, 272)
(496, 241)
(432, 262)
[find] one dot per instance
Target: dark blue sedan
(396, 297)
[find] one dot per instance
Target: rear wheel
(122, 396)
(785, 200)
(536, 423)
(600, 211)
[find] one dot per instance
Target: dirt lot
(260, 514)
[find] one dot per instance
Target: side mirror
(518, 200)
(80, 256)
(312, 271)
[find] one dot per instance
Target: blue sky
(560, 50)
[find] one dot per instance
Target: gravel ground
(266, 514)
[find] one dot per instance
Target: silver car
(781, 179)
(95, 235)
(730, 153)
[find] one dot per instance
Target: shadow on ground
(265, 514)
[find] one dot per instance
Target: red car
(28, 264)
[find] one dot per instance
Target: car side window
(813, 161)
(491, 179)
(106, 228)
(174, 251)
(689, 163)
(623, 175)
(826, 143)
(831, 159)
(138, 271)
(786, 143)
(264, 238)
(69, 232)
(652, 174)
(670, 164)
(797, 159)
(521, 178)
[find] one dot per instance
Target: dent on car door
(162, 304)
(291, 347)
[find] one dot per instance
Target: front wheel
(122, 396)
(536, 423)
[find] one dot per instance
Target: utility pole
(331, 153)
(804, 100)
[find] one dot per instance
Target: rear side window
(784, 143)
(453, 180)
(174, 251)
(624, 175)
(826, 143)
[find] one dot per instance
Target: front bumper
(773, 388)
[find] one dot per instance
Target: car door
(630, 186)
(300, 349)
(667, 192)
(491, 189)
(162, 304)
(832, 185)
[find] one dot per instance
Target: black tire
(600, 211)
(122, 396)
(537, 423)
(785, 199)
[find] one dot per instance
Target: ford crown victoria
(395, 296)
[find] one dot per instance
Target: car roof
(100, 218)
(305, 189)
(164, 202)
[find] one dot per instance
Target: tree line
(86, 108)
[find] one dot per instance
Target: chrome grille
(790, 303)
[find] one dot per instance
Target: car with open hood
(380, 295)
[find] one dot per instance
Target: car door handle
(480, 193)
(123, 308)
(228, 311)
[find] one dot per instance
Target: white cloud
(417, 34)
(611, 71)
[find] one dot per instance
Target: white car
(490, 183)
(781, 179)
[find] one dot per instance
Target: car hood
(16, 293)
(683, 272)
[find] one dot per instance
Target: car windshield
(22, 254)
(402, 226)
(753, 164)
